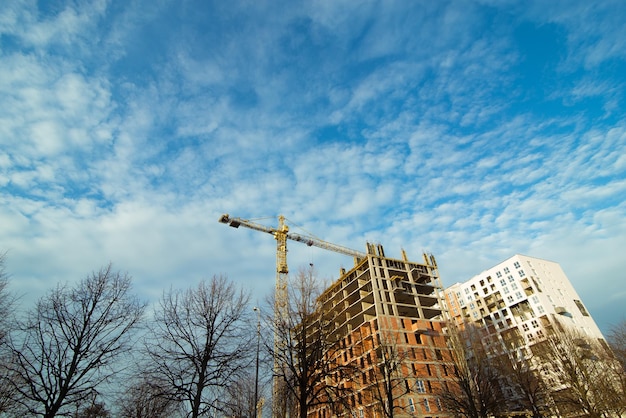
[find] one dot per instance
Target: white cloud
(67, 27)
(433, 145)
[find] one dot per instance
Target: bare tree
(611, 388)
(145, 398)
(579, 369)
(617, 343)
(97, 410)
(200, 342)
(474, 390)
(309, 369)
(68, 345)
(240, 399)
(391, 378)
(523, 377)
(93, 408)
(7, 303)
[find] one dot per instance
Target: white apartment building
(516, 305)
(520, 297)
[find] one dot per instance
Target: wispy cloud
(126, 129)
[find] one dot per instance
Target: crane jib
(282, 230)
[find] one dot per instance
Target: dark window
(581, 307)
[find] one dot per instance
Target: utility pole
(256, 374)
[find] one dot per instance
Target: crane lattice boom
(282, 232)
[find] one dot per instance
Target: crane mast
(281, 235)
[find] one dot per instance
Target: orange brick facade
(386, 318)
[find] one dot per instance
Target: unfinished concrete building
(386, 318)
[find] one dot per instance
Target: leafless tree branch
(69, 344)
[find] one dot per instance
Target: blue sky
(474, 130)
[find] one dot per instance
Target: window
(535, 299)
(509, 298)
(534, 323)
(540, 309)
(498, 274)
(516, 265)
(473, 287)
(506, 290)
(411, 405)
(419, 386)
(506, 270)
(503, 282)
(525, 327)
(518, 295)
(467, 290)
(521, 273)
(514, 286)
(581, 307)
(426, 405)
(510, 277)
(439, 407)
(361, 414)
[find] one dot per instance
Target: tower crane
(282, 234)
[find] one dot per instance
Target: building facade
(386, 316)
(522, 296)
(520, 306)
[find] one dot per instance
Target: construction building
(517, 305)
(385, 323)
(386, 317)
